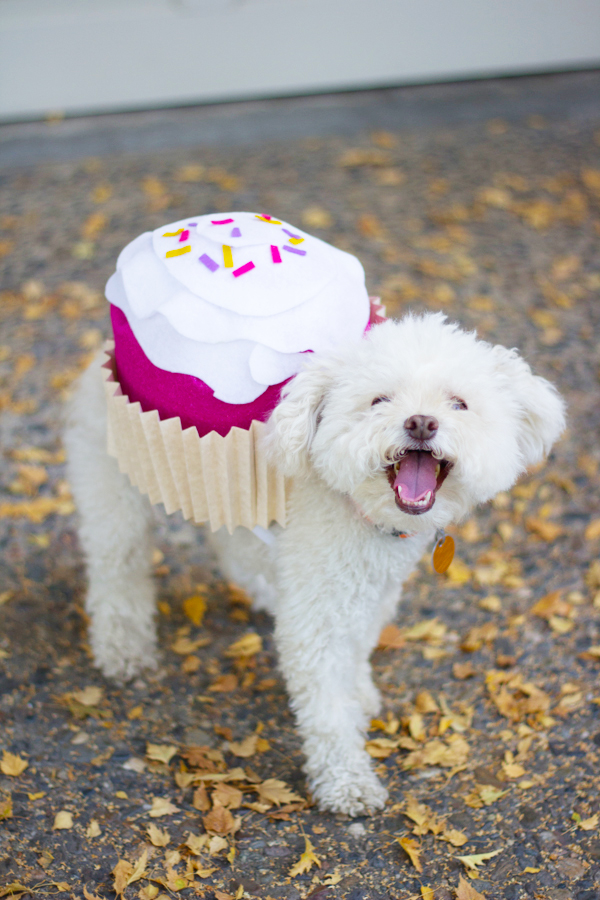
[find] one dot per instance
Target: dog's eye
(457, 403)
(380, 400)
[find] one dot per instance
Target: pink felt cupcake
(211, 316)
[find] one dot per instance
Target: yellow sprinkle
(227, 257)
(296, 240)
(268, 221)
(173, 233)
(178, 251)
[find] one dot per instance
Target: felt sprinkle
(192, 224)
(275, 254)
(221, 221)
(208, 262)
(227, 257)
(294, 250)
(173, 233)
(268, 220)
(184, 236)
(179, 251)
(243, 269)
(290, 233)
(235, 232)
(292, 240)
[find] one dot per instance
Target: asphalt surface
(492, 694)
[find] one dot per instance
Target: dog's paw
(355, 791)
(369, 697)
(122, 653)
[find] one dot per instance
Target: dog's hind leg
(114, 530)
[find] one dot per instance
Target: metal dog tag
(443, 553)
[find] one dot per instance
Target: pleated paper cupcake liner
(211, 479)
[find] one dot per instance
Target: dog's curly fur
(332, 578)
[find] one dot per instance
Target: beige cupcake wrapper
(213, 479)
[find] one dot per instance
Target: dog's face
(417, 423)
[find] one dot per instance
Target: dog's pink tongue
(416, 475)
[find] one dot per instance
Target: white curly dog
(386, 441)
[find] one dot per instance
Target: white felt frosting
(238, 334)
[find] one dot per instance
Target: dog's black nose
(421, 428)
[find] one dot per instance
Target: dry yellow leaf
(458, 572)
(427, 893)
(190, 173)
(63, 820)
(227, 795)
(473, 861)
(454, 837)
(246, 646)
(560, 625)
(413, 850)
(161, 752)
(276, 792)
(93, 830)
(592, 531)
(93, 225)
(306, 861)
(158, 838)
(12, 765)
(316, 217)
(548, 531)
(161, 806)
(5, 807)
(590, 824)
(391, 638)
(357, 156)
(424, 703)
(219, 821)
(194, 608)
(466, 891)
(89, 696)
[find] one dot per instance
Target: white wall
(99, 55)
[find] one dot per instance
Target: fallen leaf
(590, 824)
(161, 806)
(246, 748)
(63, 820)
(274, 791)
(413, 850)
(466, 891)
(427, 893)
(454, 837)
(306, 861)
(219, 821)
(194, 608)
(316, 217)
(246, 646)
(224, 684)
(161, 752)
(93, 830)
(479, 635)
(548, 531)
(424, 703)
(422, 816)
(228, 796)
(5, 807)
(473, 861)
(483, 795)
(12, 765)
(551, 605)
(357, 156)
(391, 638)
(89, 696)
(462, 671)
(89, 895)
(158, 838)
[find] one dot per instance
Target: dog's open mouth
(415, 478)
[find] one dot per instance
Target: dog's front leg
(321, 661)
(331, 604)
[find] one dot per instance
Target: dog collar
(362, 514)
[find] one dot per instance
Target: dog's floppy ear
(541, 408)
(294, 421)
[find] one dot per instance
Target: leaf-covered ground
(188, 783)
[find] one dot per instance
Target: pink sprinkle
(184, 236)
(208, 262)
(290, 233)
(263, 216)
(221, 221)
(276, 255)
(294, 250)
(243, 269)
(235, 232)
